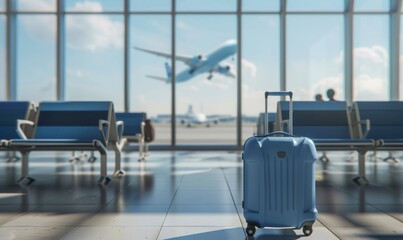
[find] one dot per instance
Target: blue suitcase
(279, 179)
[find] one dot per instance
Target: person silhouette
(318, 97)
(330, 94)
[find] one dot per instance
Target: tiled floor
(186, 195)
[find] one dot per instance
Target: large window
(205, 5)
(316, 5)
(150, 88)
(94, 5)
(261, 5)
(401, 59)
(315, 46)
(260, 67)
(36, 57)
(95, 58)
(206, 98)
(36, 5)
(2, 58)
(371, 58)
(98, 58)
(150, 5)
(2, 5)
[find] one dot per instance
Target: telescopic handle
(266, 120)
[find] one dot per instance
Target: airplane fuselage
(227, 50)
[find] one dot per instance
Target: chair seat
(51, 142)
(392, 142)
(344, 142)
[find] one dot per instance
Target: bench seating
(10, 112)
(385, 123)
(70, 126)
(328, 124)
(260, 122)
(134, 129)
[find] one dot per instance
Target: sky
(95, 53)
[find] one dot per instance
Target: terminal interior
(127, 119)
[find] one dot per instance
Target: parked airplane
(191, 118)
(198, 64)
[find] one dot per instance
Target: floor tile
(369, 233)
(129, 216)
(201, 233)
(33, 233)
(202, 216)
(354, 216)
(203, 197)
(55, 216)
(118, 233)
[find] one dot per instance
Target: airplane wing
(182, 58)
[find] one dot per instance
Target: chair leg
(92, 158)
(324, 157)
(141, 149)
(73, 157)
(13, 157)
(104, 179)
(391, 157)
(25, 179)
(361, 178)
(118, 156)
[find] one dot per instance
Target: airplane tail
(168, 71)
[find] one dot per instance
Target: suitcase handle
(266, 120)
(280, 132)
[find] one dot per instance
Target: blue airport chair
(67, 126)
(383, 123)
(10, 112)
(134, 129)
(328, 124)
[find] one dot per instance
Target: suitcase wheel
(250, 230)
(307, 230)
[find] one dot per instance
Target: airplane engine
(196, 60)
(224, 70)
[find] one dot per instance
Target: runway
(222, 133)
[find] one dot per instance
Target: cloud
(368, 87)
(93, 32)
(88, 32)
(87, 6)
(375, 54)
(38, 5)
(250, 66)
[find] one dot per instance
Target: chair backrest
(132, 122)
(318, 119)
(10, 112)
(260, 123)
(386, 118)
(72, 120)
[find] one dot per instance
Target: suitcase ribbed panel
(280, 185)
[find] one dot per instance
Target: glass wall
(315, 60)
(260, 67)
(371, 57)
(150, 5)
(94, 5)
(95, 58)
(150, 87)
(2, 57)
(36, 5)
(36, 57)
(102, 55)
(206, 81)
(401, 59)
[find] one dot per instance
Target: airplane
(198, 64)
(191, 118)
